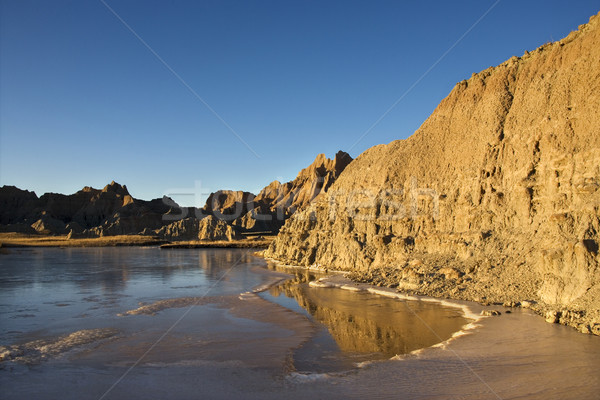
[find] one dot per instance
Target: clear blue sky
(83, 101)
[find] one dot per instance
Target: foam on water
(42, 349)
(298, 377)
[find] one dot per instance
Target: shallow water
(353, 328)
(45, 292)
(191, 327)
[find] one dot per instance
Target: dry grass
(23, 240)
(250, 242)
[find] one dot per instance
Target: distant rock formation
(86, 213)
(228, 204)
(15, 204)
(48, 225)
(208, 228)
(295, 195)
(268, 211)
(88, 207)
(113, 211)
(500, 186)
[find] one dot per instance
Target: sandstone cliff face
(500, 186)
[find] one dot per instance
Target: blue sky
(83, 101)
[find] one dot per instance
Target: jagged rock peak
(310, 182)
(116, 188)
(341, 161)
(323, 165)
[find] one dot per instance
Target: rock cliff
(15, 204)
(495, 198)
(87, 213)
(228, 204)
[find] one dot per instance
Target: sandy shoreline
(576, 320)
(513, 353)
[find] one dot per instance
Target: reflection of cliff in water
(367, 323)
(214, 262)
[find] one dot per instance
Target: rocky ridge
(495, 198)
(267, 211)
(113, 211)
(275, 203)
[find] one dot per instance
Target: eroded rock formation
(87, 213)
(311, 181)
(277, 201)
(208, 228)
(113, 211)
(496, 197)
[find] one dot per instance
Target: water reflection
(50, 292)
(56, 290)
(111, 268)
(366, 326)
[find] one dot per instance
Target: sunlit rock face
(500, 187)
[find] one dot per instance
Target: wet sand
(516, 355)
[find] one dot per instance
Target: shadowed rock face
(87, 208)
(87, 213)
(224, 203)
(15, 204)
(501, 185)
